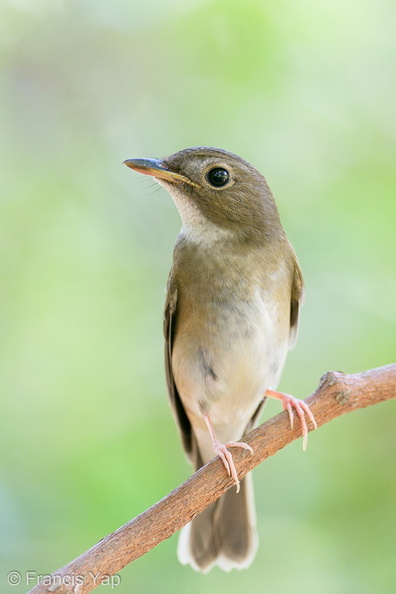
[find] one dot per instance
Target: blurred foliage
(304, 90)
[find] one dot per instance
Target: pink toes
(226, 457)
(289, 403)
(221, 450)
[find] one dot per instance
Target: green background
(304, 90)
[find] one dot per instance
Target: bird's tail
(223, 534)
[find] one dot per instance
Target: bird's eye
(218, 177)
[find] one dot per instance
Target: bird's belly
(223, 367)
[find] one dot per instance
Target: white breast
(226, 371)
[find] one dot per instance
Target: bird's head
(215, 190)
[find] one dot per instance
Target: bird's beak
(155, 168)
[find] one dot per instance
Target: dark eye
(218, 177)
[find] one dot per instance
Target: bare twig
(336, 395)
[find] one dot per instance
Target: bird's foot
(227, 459)
(225, 456)
(301, 408)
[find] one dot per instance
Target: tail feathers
(224, 534)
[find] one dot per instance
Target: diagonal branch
(336, 395)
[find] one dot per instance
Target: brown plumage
(231, 314)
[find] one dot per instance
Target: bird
(231, 314)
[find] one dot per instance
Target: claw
(291, 415)
(222, 452)
(301, 408)
(225, 456)
(227, 459)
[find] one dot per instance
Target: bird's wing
(296, 299)
(183, 423)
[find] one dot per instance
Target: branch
(336, 395)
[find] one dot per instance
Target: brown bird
(231, 315)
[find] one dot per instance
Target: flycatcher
(231, 315)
